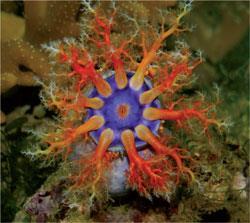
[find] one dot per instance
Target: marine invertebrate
(128, 71)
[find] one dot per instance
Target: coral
(8, 21)
(21, 62)
(8, 81)
(19, 54)
(50, 20)
(21, 58)
(112, 82)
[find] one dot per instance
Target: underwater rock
(40, 205)
(240, 184)
(117, 180)
(117, 174)
(48, 204)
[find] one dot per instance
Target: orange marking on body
(146, 135)
(123, 110)
(85, 69)
(164, 114)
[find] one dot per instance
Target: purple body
(118, 97)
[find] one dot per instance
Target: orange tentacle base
(73, 102)
(176, 115)
(174, 153)
(86, 70)
(144, 175)
(138, 78)
(120, 74)
(70, 135)
(89, 71)
(94, 166)
(148, 96)
(94, 103)
(113, 54)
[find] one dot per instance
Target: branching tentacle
(144, 175)
(174, 153)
